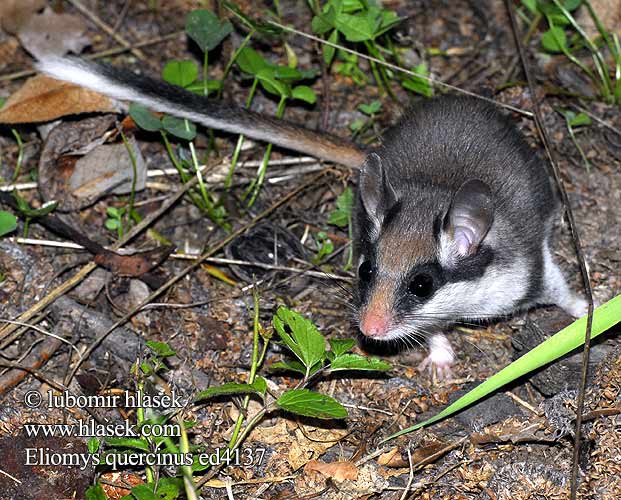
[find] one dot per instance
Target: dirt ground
(517, 444)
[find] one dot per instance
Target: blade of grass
(568, 339)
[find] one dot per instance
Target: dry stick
(217, 247)
(104, 53)
(88, 268)
(108, 29)
(401, 70)
(577, 244)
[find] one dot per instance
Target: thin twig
(577, 245)
(108, 29)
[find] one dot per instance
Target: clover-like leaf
(179, 128)
(554, 40)
(204, 27)
(304, 93)
(181, 73)
(144, 118)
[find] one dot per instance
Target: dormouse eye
(421, 285)
(365, 271)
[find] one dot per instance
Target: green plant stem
(229, 64)
(572, 134)
(205, 73)
(132, 194)
(188, 480)
(20, 154)
(256, 185)
(240, 140)
(140, 418)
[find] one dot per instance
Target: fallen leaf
(14, 13)
(8, 48)
(339, 471)
(116, 485)
(134, 265)
(54, 34)
(43, 99)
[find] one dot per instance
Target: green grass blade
(570, 337)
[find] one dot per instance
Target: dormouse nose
(374, 323)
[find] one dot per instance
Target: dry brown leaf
(43, 99)
(8, 48)
(55, 34)
(14, 13)
(339, 471)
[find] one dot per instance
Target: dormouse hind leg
(556, 291)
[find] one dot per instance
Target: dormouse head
(414, 243)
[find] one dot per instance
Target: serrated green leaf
(231, 388)
(95, 492)
(206, 29)
(294, 366)
(143, 492)
(357, 28)
(304, 93)
(179, 128)
(144, 118)
(305, 341)
(554, 40)
(341, 346)
(311, 404)
(260, 384)
(169, 488)
(350, 361)
(181, 73)
(132, 443)
(8, 222)
(162, 349)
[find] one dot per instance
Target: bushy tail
(161, 96)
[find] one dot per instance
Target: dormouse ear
(375, 191)
(470, 217)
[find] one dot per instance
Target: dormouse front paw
(440, 359)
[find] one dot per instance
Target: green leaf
(341, 346)
(328, 50)
(357, 28)
(260, 384)
(417, 83)
(304, 341)
(324, 22)
(270, 83)
(2, 101)
(261, 27)
(169, 488)
(294, 366)
(342, 214)
(250, 61)
(182, 129)
(569, 338)
(356, 125)
(579, 120)
(24, 207)
(311, 404)
(370, 109)
(93, 445)
(572, 5)
(181, 73)
(144, 118)
(232, 388)
(304, 93)
(206, 30)
(112, 224)
(8, 222)
(143, 492)
(531, 5)
(161, 349)
(554, 40)
(95, 492)
(198, 87)
(132, 443)
(352, 361)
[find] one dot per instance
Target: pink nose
(373, 324)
